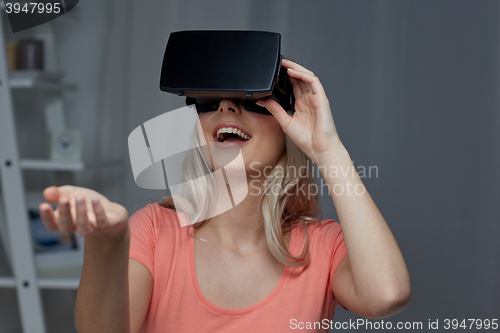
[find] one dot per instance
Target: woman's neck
(239, 229)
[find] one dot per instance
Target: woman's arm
(107, 295)
(109, 298)
(109, 278)
(373, 280)
(102, 302)
(140, 291)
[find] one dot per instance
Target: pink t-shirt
(303, 294)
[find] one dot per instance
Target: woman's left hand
(311, 127)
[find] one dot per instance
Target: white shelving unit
(36, 164)
(30, 83)
(20, 268)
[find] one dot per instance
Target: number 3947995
(32, 8)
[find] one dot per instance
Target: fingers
(277, 111)
(47, 215)
(297, 90)
(305, 78)
(100, 215)
(53, 193)
(290, 64)
(66, 223)
(79, 209)
(83, 226)
(304, 87)
(310, 82)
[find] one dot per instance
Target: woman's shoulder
(156, 216)
(322, 234)
(321, 227)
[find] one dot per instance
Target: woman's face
(266, 140)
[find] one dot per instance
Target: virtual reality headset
(207, 66)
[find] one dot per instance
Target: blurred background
(414, 87)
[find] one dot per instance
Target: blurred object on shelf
(30, 54)
(11, 51)
(65, 145)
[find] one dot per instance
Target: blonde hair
(281, 211)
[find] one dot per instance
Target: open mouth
(231, 134)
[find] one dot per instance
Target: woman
(257, 271)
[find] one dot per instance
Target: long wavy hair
(282, 204)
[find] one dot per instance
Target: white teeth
(232, 130)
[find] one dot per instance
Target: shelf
(40, 164)
(7, 282)
(68, 278)
(37, 80)
(30, 84)
(58, 260)
(35, 164)
(49, 277)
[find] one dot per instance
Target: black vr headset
(210, 65)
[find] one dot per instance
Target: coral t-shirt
(303, 295)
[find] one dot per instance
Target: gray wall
(414, 90)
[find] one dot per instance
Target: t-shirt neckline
(238, 312)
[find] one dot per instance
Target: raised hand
(82, 210)
(311, 127)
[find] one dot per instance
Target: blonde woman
(267, 265)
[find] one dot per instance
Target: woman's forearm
(377, 264)
(102, 303)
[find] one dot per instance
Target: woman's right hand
(82, 210)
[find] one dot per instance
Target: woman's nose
(227, 105)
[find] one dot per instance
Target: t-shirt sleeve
(333, 241)
(142, 237)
